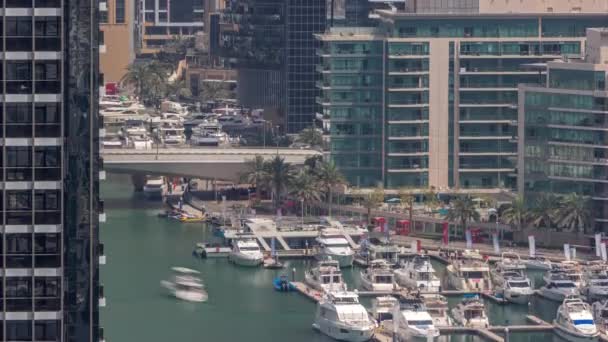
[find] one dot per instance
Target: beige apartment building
(119, 34)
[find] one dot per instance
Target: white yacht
(595, 283)
(378, 277)
(413, 321)
(499, 277)
(573, 271)
(538, 262)
(171, 133)
(574, 321)
(470, 273)
(134, 128)
(374, 249)
(332, 244)
(326, 276)
(418, 274)
(510, 262)
(383, 307)
(517, 290)
(559, 287)
(185, 285)
(155, 187)
(600, 315)
(246, 252)
(437, 307)
(470, 313)
(342, 317)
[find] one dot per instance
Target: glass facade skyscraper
(431, 99)
(49, 283)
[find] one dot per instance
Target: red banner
(418, 246)
(446, 233)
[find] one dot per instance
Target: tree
(305, 187)
(214, 91)
(280, 175)
(256, 173)
(311, 136)
(574, 213)
(463, 211)
(407, 201)
(543, 213)
(430, 200)
(149, 80)
(516, 213)
(178, 90)
(372, 201)
(329, 176)
(136, 76)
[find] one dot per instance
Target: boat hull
(573, 336)
(345, 260)
(553, 295)
(189, 296)
(241, 260)
(517, 298)
(538, 266)
(343, 332)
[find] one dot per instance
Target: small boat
(418, 274)
(558, 288)
(206, 250)
(469, 273)
(326, 276)
(517, 290)
(282, 284)
(574, 321)
(246, 252)
(600, 315)
(470, 313)
(538, 262)
(573, 271)
(413, 321)
(509, 265)
(383, 308)
(595, 283)
(437, 307)
(155, 187)
(186, 285)
(332, 243)
(378, 277)
(273, 262)
(341, 317)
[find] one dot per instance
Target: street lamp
(302, 200)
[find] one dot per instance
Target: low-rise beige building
(119, 34)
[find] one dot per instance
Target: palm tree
(149, 80)
(280, 175)
(329, 176)
(516, 213)
(407, 200)
(305, 187)
(463, 211)
(136, 75)
(544, 211)
(256, 173)
(574, 213)
(213, 91)
(372, 201)
(430, 200)
(311, 136)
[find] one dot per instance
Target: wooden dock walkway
(307, 291)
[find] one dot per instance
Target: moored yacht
(418, 274)
(517, 290)
(510, 262)
(374, 249)
(185, 284)
(470, 313)
(246, 252)
(326, 276)
(595, 283)
(155, 187)
(538, 262)
(378, 277)
(342, 317)
(332, 244)
(383, 307)
(437, 307)
(470, 273)
(574, 321)
(413, 321)
(600, 315)
(558, 288)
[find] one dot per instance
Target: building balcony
(571, 160)
(487, 105)
(417, 137)
(412, 170)
(489, 121)
(102, 297)
(407, 122)
(408, 105)
(485, 136)
(491, 88)
(102, 254)
(486, 169)
(102, 175)
(486, 153)
(477, 71)
(504, 56)
(341, 102)
(327, 86)
(580, 179)
(103, 6)
(347, 53)
(408, 154)
(397, 88)
(580, 128)
(396, 55)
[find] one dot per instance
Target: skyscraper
(50, 180)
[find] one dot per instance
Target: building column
(439, 69)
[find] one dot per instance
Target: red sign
(111, 89)
(418, 246)
(446, 232)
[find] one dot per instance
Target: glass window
(18, 70)
(47, 200)
(19, 330)
(47, 330)
(120, 11)
(47, 26)
(19, 156)
(18, 26)
(19, 243)
(46, 244)
(19, 200)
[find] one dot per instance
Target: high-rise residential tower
(50, 289)
(429, 98)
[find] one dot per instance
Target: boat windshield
(564, 285)
(425, 275)
(327, 279)
(574, 277)
(600, 283)
(435, 312)
(383, 279)
(420, 322)
(583, 322)
(249, 249)
(519, 284)
(604, 314)
(346, 300)
(473, 274)
(337, 245)
(468, 314)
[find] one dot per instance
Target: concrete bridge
(206, 163)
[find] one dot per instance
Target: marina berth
(418, 274)
(378, 277)
(413, 321)
(574, 321)
(341, 317)
(470, 313)
(469, 273)
(246, 252)
(331, 243)
(325, 276)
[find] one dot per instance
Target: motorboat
(246, 252)
(282, 284)
(574, 321)
(538, 262)
(341, 317)
(185, 284)
(374, 249)
(383, 307)
(499, 277)
(418, 274)
(326, 276)
(595, 283)
(510, 262)
(171, 133)
(573, 271)
(413, 321)
(437, 307)
(469, 273)
(558, 288)
(378, 277)
(470, 313)
(134, 128)
(600, 315)
(155, 187)
(517, 290)
(332, 243)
